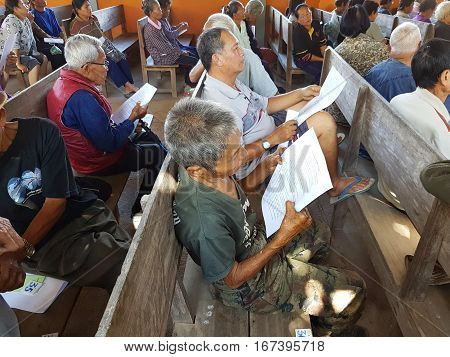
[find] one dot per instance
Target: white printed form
(302, 177)
(331, 88)
(144, 95)
(7, 48)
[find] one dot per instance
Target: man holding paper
(214, 221)
(223, 59)
(95, 143)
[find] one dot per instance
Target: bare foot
(343, 182)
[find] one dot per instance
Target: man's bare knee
(323, 123)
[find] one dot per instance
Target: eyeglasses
(106, 64)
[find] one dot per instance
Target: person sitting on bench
(405, 7)
(16, 22)
(95, 144)
(309, 42)
(224, 60)
(215, 222)
(84, 22)
(359, 50)
(426, 10)
(161, 49)
(442, 26)
(424, 109)
(45, 18)
(173, 32)
(236, 11)
(4, 75)
(12, 275)
(394, 76)
(253, 75)
(68, 232)
(374, 30)
(332, 29)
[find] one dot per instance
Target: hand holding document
(144, 95)
(36, 295)
(302, 177)
(331, 88)
(9, 44)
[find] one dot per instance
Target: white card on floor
(302, 177)
(144, 95)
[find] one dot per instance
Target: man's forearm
(283, 101)
(45, 220)
(248, 268)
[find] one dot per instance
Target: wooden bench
(426, 29)
(62, 12)
(148, 65)
(420, 309)
(281, 43)
(387, 24)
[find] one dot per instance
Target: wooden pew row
(62, 12)
(426, 30)
(280, 41)
(153, 260)
(420, 309)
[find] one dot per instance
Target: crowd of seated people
(332, 29)
(84, 22)
(405, 7)
(426, 10)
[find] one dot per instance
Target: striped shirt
(159, 47)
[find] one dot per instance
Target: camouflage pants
(290, 283)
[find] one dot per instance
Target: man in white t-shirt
(223, 58)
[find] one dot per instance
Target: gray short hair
(196, 132)
(254, 7)
(442, 10)
(405, 39)
(148, 6)
(81, 49)
(221, 20)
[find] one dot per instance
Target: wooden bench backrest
(389, 139)
(426, 30)
(347, 100)
(111, 17)
(275, 29)
(32, 101)
(62, 12)
(387, 23)
(286, 38)
(140, 30)
(317, 14)
(141, 300)
(199, 87)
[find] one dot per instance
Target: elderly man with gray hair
(223, 58)
(95, 144)
(442, 25)
(253, 75)
(393, 76)
(214, 221)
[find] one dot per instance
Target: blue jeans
(313, 68)
(120, 72)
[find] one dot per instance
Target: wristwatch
(29, 249)
(266, 145)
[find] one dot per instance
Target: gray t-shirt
(251, 114)
(218, 230)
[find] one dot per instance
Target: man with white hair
(95, 144)
(253, 75)
(442, 26)
(393, 76)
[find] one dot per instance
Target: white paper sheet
(36, 295)
(331, 88)
(9, 44)
(144, 95)
(302, 177)
(53, 40)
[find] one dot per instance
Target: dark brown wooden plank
(53, 320)
(62, 12)
(86, 313)
(141, 300)
(110, 17)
